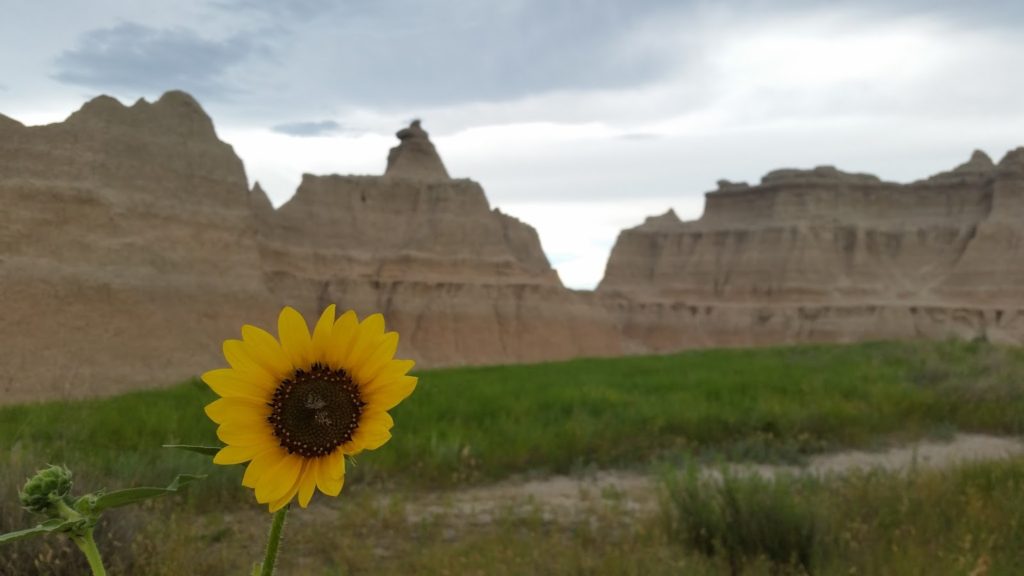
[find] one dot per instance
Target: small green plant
(743, 518)
(48, 494)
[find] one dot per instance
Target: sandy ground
(568, 497)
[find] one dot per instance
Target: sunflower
(294, 408)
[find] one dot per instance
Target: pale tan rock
(131, 246)
(807, 236)
(462, 284)
(127, 249)
(726, 185)
(410, 229)
(823, 255)
(991, 267)
(415, 157)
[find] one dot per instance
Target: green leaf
(52, 525)
(208, 450)
(132, 495)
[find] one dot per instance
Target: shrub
(744, 517)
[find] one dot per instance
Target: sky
(580, 117)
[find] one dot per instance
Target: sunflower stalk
(273, 542)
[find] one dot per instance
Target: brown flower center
(315, 411)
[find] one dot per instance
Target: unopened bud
(42, 491)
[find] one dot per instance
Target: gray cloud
(303, 9)
(141, 60)
(321, 128)
(394, 53)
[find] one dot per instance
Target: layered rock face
(825, 255)
(127, 249)
(131, 246)
(991, 269)
(462, 283)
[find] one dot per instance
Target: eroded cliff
(131, 246)
(127, 249)
(821, 254)
(462, 283)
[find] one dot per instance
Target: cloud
(135, 59)
(393, 53)
(301, 9)
(308, 129)
(639, 136)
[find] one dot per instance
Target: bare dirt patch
(569, 498)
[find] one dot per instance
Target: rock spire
(415, 156)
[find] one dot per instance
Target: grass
(929, 522)
(744, 518)
(938, 522)
(479, 424)
(474, 425)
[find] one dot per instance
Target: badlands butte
(131, 245)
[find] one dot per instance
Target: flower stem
(267, 569)
(88, 547)
(83, 539)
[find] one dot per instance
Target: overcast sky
(579, 117)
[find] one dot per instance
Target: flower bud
(45, 489)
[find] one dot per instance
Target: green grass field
(477, 425)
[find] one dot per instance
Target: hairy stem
(276, 527)
(88, 547)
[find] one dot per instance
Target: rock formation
(825, 255)
(127, 249)
(415, 156)
(463, 284)
(131, 246)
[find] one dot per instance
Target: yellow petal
(239, 359)
(377, 421)
(246, 434)
(391, 371)
(331, 474)
(377, 417)
(237, 409)
(226, 382)
(322, 338)
(342, 338)
(385, 351)
(264, 350)
(373, 432)
(280, 502)
(351, 448)
(279, 479)
(389, 395)
(369, 335)
(236, 454)
(374, 438)
(307, 484)
(260, 464)
(295, 338)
